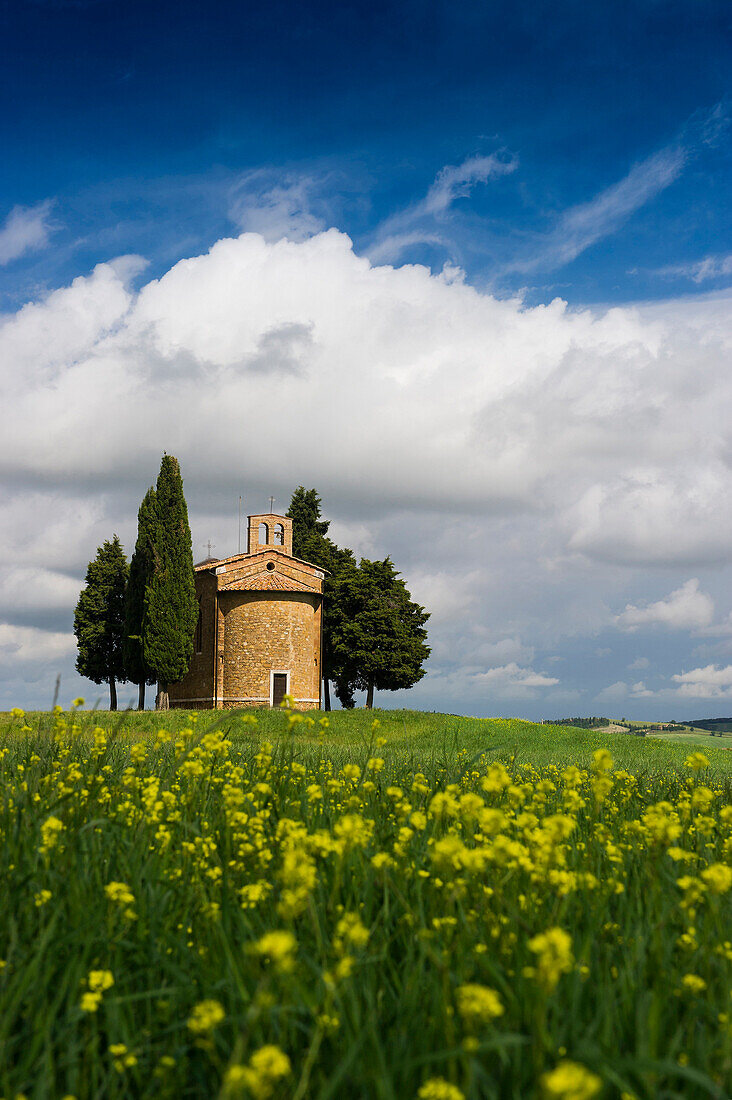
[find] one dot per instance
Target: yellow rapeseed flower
(259, 1078)
(279, 947)
(478, 1004)
(570, 1081)
(696, 761)
(718, 878)
(437, 1088)
(554, 956)
(206, 1016)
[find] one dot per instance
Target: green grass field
(419, 737)
(429, 908)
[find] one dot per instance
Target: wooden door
(279, 687)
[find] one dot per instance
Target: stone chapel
(260, 626)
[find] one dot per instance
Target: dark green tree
(171, 607)
(99, 620)
(141, 571)
(308, 529)
(311, 543)
(378, 636)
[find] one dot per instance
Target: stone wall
(259, 635)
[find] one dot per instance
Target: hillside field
(384, 905)
(416, 737)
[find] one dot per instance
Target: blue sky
(465, 268)
(136, 123)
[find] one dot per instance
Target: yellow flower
(478, 1004)
(266, 1067)
(570, 1081)
(553, 949)
(279, 947)
(718, 877)
(602, 761)
(696, 761)
(437, 1088)
(122, 1058)
(42, 897)
(206, 1016)
(350, 930)
(693, 983)
(119, 893)
(97, 982)
(51, 830)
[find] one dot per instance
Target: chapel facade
(260, 626)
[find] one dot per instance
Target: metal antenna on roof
(271, 504)
(211, 546)
(239, 549)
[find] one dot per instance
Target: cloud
(419, 223)
(686, 608)
(31, 651)
(638, 664)
(277, 204)
(711, 267)
(473, 685)
(583, 225)
(26, 229)
(456, 181)
(710, 682)
(511, 459)
(613, 693)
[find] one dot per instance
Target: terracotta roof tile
(267, 582)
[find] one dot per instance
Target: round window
(270, 565)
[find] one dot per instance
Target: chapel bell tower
(269, 531)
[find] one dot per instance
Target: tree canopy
(379, 636)
(373, 634)
(141, 571)
(99, 620)
(171, 607)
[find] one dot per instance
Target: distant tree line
(581, 723)
(135, 622)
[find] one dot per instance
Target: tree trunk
(141, 696)
(326, 693)
(370, 696)
(112, 693)
(162, 700)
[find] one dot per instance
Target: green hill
(419, 738)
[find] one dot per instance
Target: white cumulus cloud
(511, 459)
(686, 608)
(710, 682)
(26, 228)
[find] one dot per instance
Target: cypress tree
(141, 570)
(171, 607)
(99, 620)
(308, 529)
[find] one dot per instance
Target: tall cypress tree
(311, 543)
(308, 529)
(99, 620)
(141, 571)
(171, 608)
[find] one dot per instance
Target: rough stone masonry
(260, 623)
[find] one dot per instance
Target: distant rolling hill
(714, 725)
